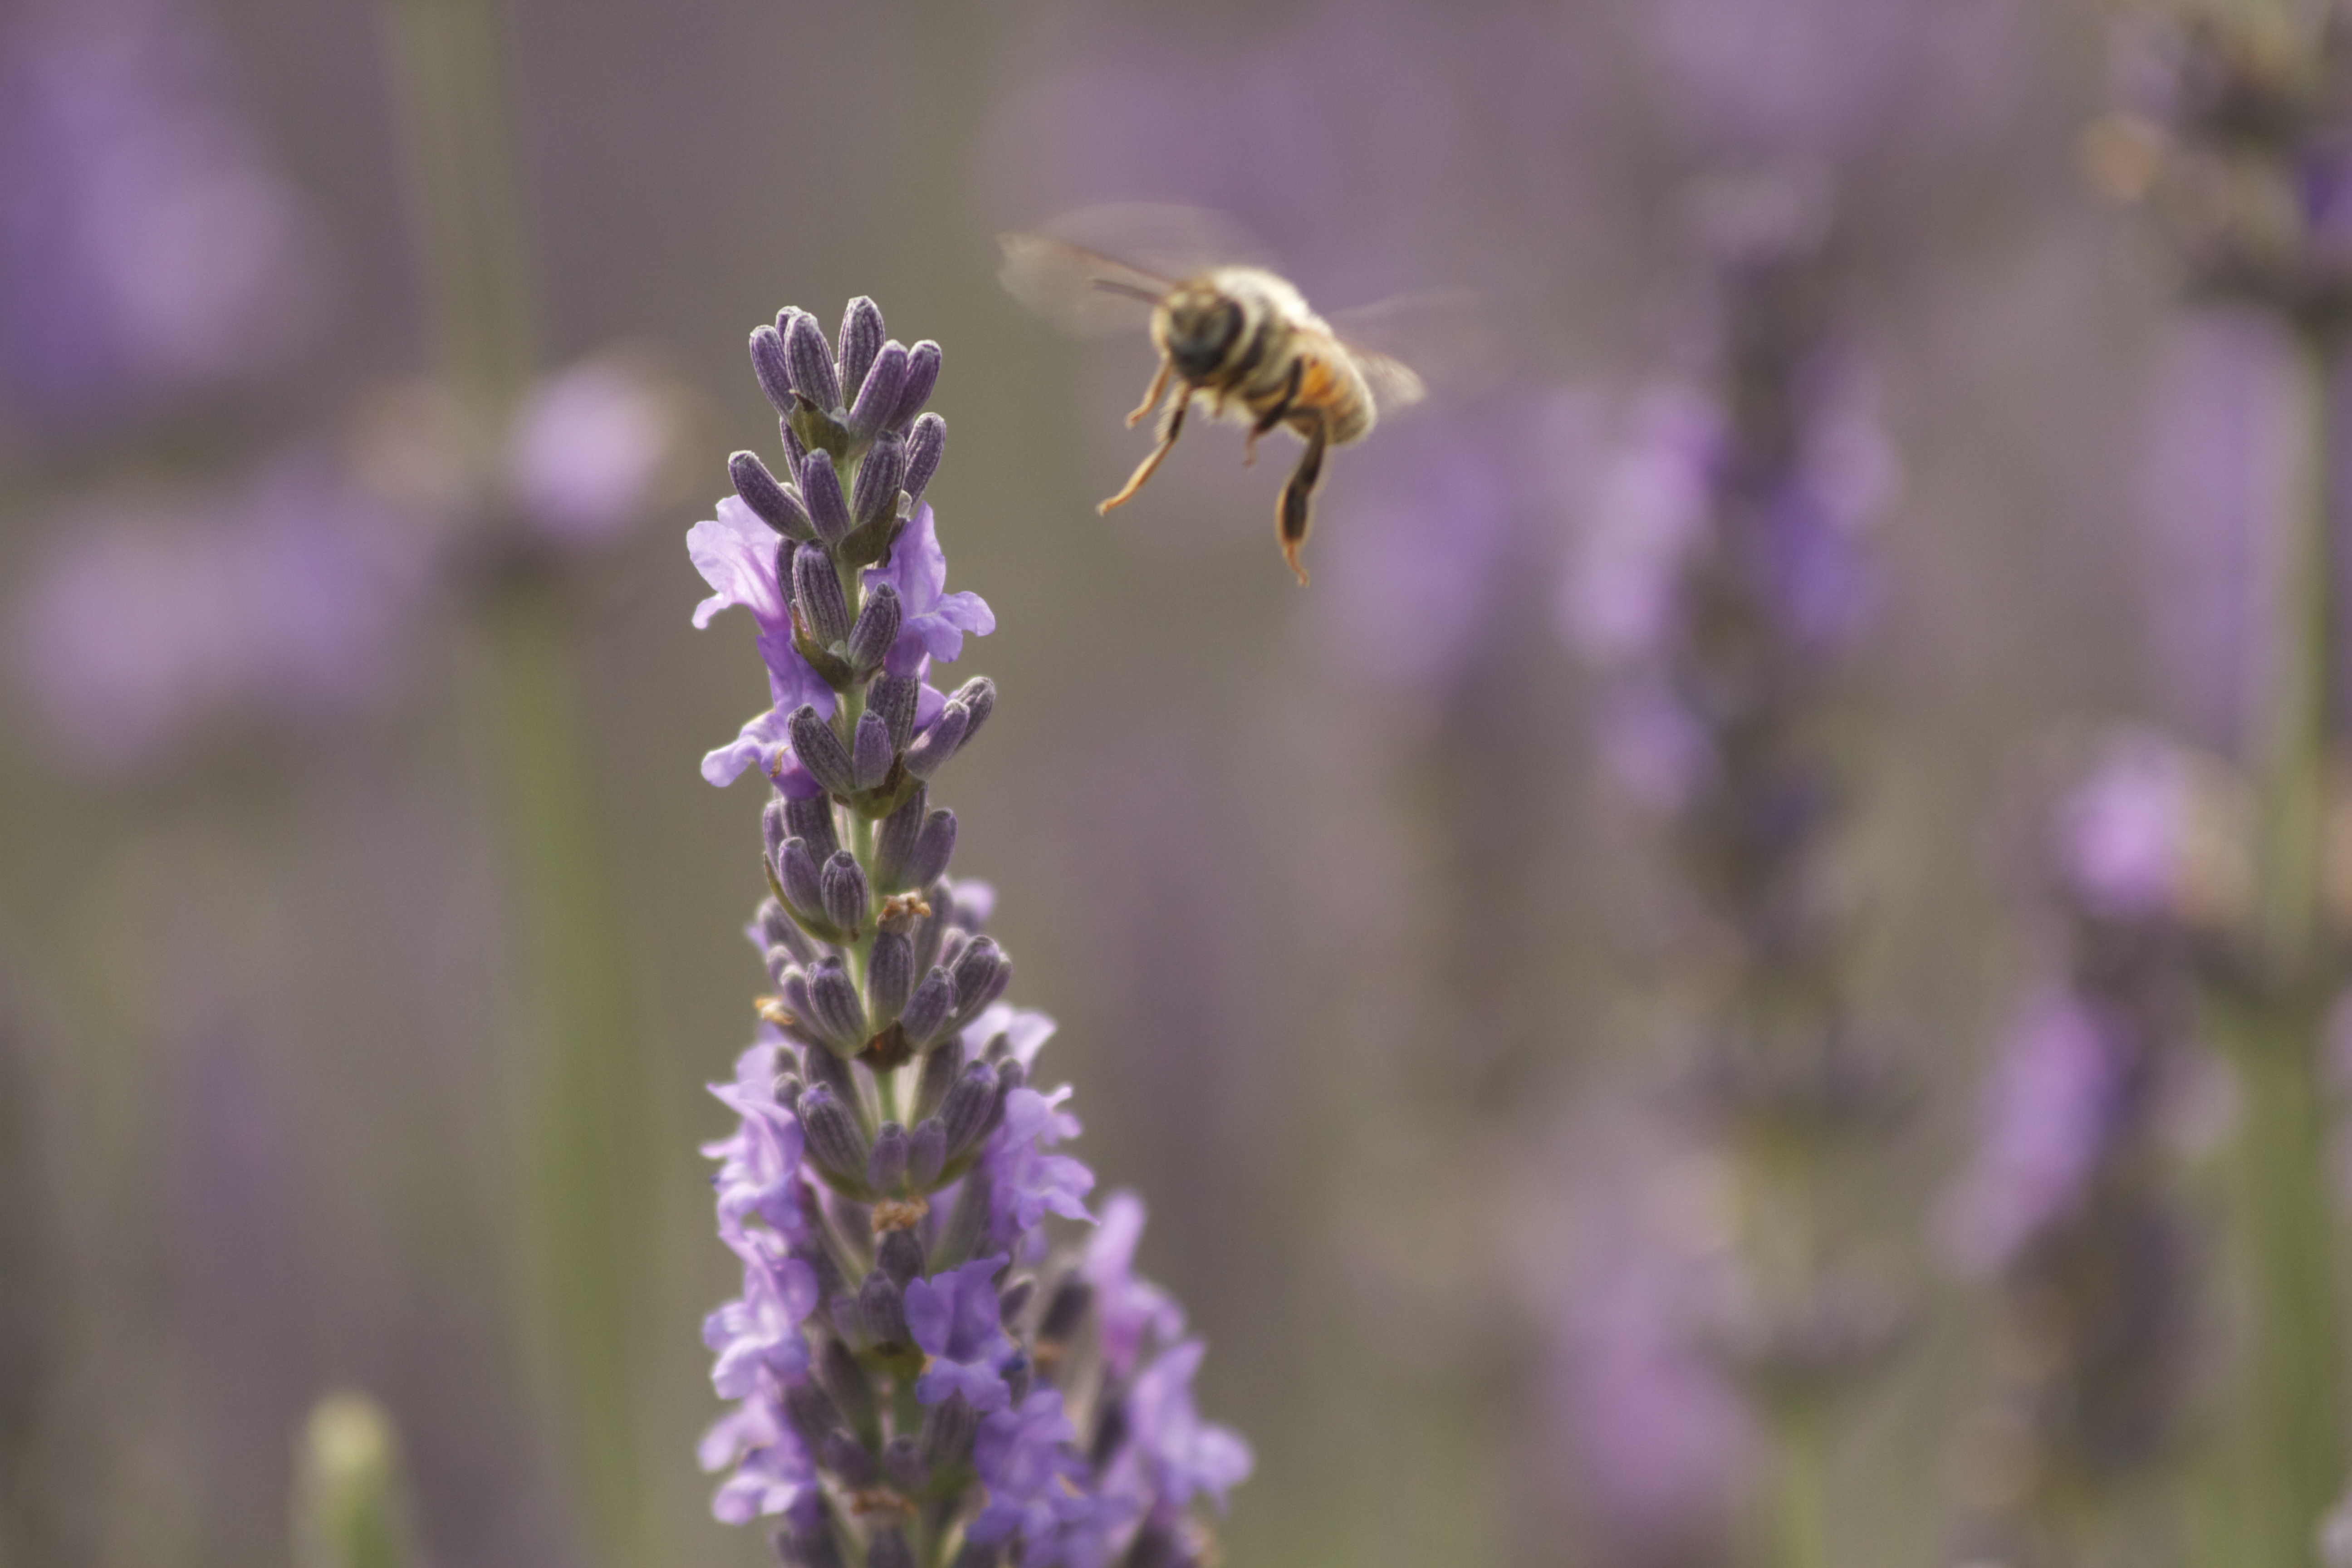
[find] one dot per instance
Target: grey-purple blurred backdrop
(1344, 925)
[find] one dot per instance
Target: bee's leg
(1275, 412)
(1295, 513)
(1169, 428)
(1159, 385)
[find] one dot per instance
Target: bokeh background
(1352, 935)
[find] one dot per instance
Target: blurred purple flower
(1176, 1455)
(2053, 1103)
(146, 248)
(1025, 1183)
(292, 598)
(2152, 834)
(1130, 1312)
(758, 1165)
(590, 448)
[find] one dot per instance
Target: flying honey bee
(1239, 337)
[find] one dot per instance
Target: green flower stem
(588, 1210)
(2290, 1431)
(1798, 1500)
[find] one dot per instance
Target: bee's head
(1200, 326)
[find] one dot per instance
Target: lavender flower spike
(926, 1392)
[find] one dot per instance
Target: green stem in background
(1798, 1500)
(2291, 1429)
(588, 1207)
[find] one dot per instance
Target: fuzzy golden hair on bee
(1235, 336)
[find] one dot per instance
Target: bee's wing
(1079, 289)
(1441, 331)
(1072, 270)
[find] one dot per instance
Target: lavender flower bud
(894, 697)
(927, 1153)
(820, 751)
(933, 849)
(902, 1462)
(949, 1429)
(869, 751)
(926, 444)
(1110, 1431)
(931, 929)
(894, 845)
(1015, 1300)
(877, 400)
(847, 896)
(951, 946)
(828, 1067)
(877, 629)
(794, 984)
(886, 1166)
(928, 1011)
(847, 1322)
(884, 1310)
(935, 745)
(889, 977)
(978, 696)
(831, 1133)
(771, 364)
(833, 996)
(803, 885)
(1010, 1076)
(860, 340)
(795, 450)
(922, 376)
(941, 1068)
(888, 1549)
(812, 819)
(816, 595)
(899, 1254)
(814, 1547)
(982, 972)
(779, 929)
(776, 505)
(964, 1114)
(781, 962)
(852, 1392)
(847, 1458)
(875, 495)
(967, 1222)
(1017, 1378)
(828, 510)
(811, 362)
(811, 1411)
(775, 826)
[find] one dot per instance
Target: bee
(1240, 337)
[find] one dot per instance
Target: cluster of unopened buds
(925, 1369)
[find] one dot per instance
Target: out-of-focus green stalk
(588, 1209)
(589, 1206)
(348, 1507)
(1798, 1502)
(2288, 1434)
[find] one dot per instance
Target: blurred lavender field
(1747, 978)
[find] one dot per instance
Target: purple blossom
(1130, 1311)
(1025, 1183)
(736, 553)
(759, 1166)
(772, 1468)
(2050, 1107)
(1023, 1455)
(1176, 1455)
(762, 1332)
(953, 1318)
(934, 621)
